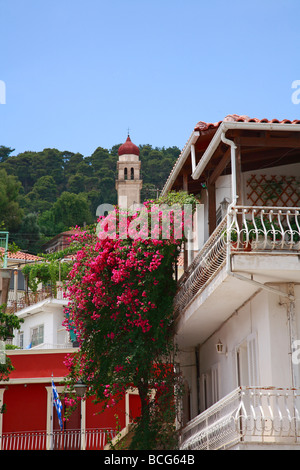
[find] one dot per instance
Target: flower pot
(244, 246)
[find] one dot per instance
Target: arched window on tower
(125, 174)
(132, 174)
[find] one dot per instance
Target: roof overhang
(225, 126)
(215, 141)
(180, 161)
(41, 306)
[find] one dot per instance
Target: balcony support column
(212, 219)
(238, 172)
(291, 317)
(5, 276)
(238, 185)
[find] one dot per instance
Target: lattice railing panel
(276, 190)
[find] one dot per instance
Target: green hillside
(44, 193)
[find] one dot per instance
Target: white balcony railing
(264, 228)
(243, 229)
(65, 345)
(25, 299)
(249, 415)
(210, 259)
(21, 299)
(90, 439)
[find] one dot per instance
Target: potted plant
(265, 233)
(244, 242)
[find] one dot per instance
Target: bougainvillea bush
(121, 290)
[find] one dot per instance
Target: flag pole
(51, 417)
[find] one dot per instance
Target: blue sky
(79, 73)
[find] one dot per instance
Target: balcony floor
(224, 294)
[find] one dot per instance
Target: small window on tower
(132, 174)
(125, 173)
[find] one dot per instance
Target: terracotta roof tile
(21, 255)
(203, 126)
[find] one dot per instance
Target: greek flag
(58, 405)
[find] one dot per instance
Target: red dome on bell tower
(128, 148)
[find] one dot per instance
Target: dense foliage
(121, 291)
(44, 193)
(8, 322)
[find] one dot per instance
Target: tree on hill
(28, 236)
(68, 211)
(10, 211)
(5, 153)
(43, 195)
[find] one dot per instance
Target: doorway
(69, 438)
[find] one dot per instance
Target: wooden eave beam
(272, 142)
(260, 159)
(260, 138)
(220, 166)
(212, 219)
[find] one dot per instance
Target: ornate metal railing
(90, 439)
(210, 259)
(248, 415)
(243, 229)
(264, 228)
(25, 299)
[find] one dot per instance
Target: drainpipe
(197, 376)
(292, 327)
(16, 288)
(233, 167)
(193, 157)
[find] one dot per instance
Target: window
(204, 392)
(21, 340)
(209, 387)
(132, 174)
(21, 281)
(222, 210)
(125, 173)
(247, 362)
(37, 335)
(215, 383)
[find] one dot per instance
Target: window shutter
(252, 360)
(215, 383)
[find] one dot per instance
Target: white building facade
(43, 326)
(237, 308)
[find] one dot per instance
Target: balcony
(249, 417)
(22, 299)
(17, 300)
(253, 247)
(90, 439)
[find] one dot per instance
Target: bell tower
(128, 184)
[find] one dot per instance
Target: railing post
(207, 436)
(83, 440)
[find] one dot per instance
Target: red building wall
(26, 408)
(26, 400)
(37, 363)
